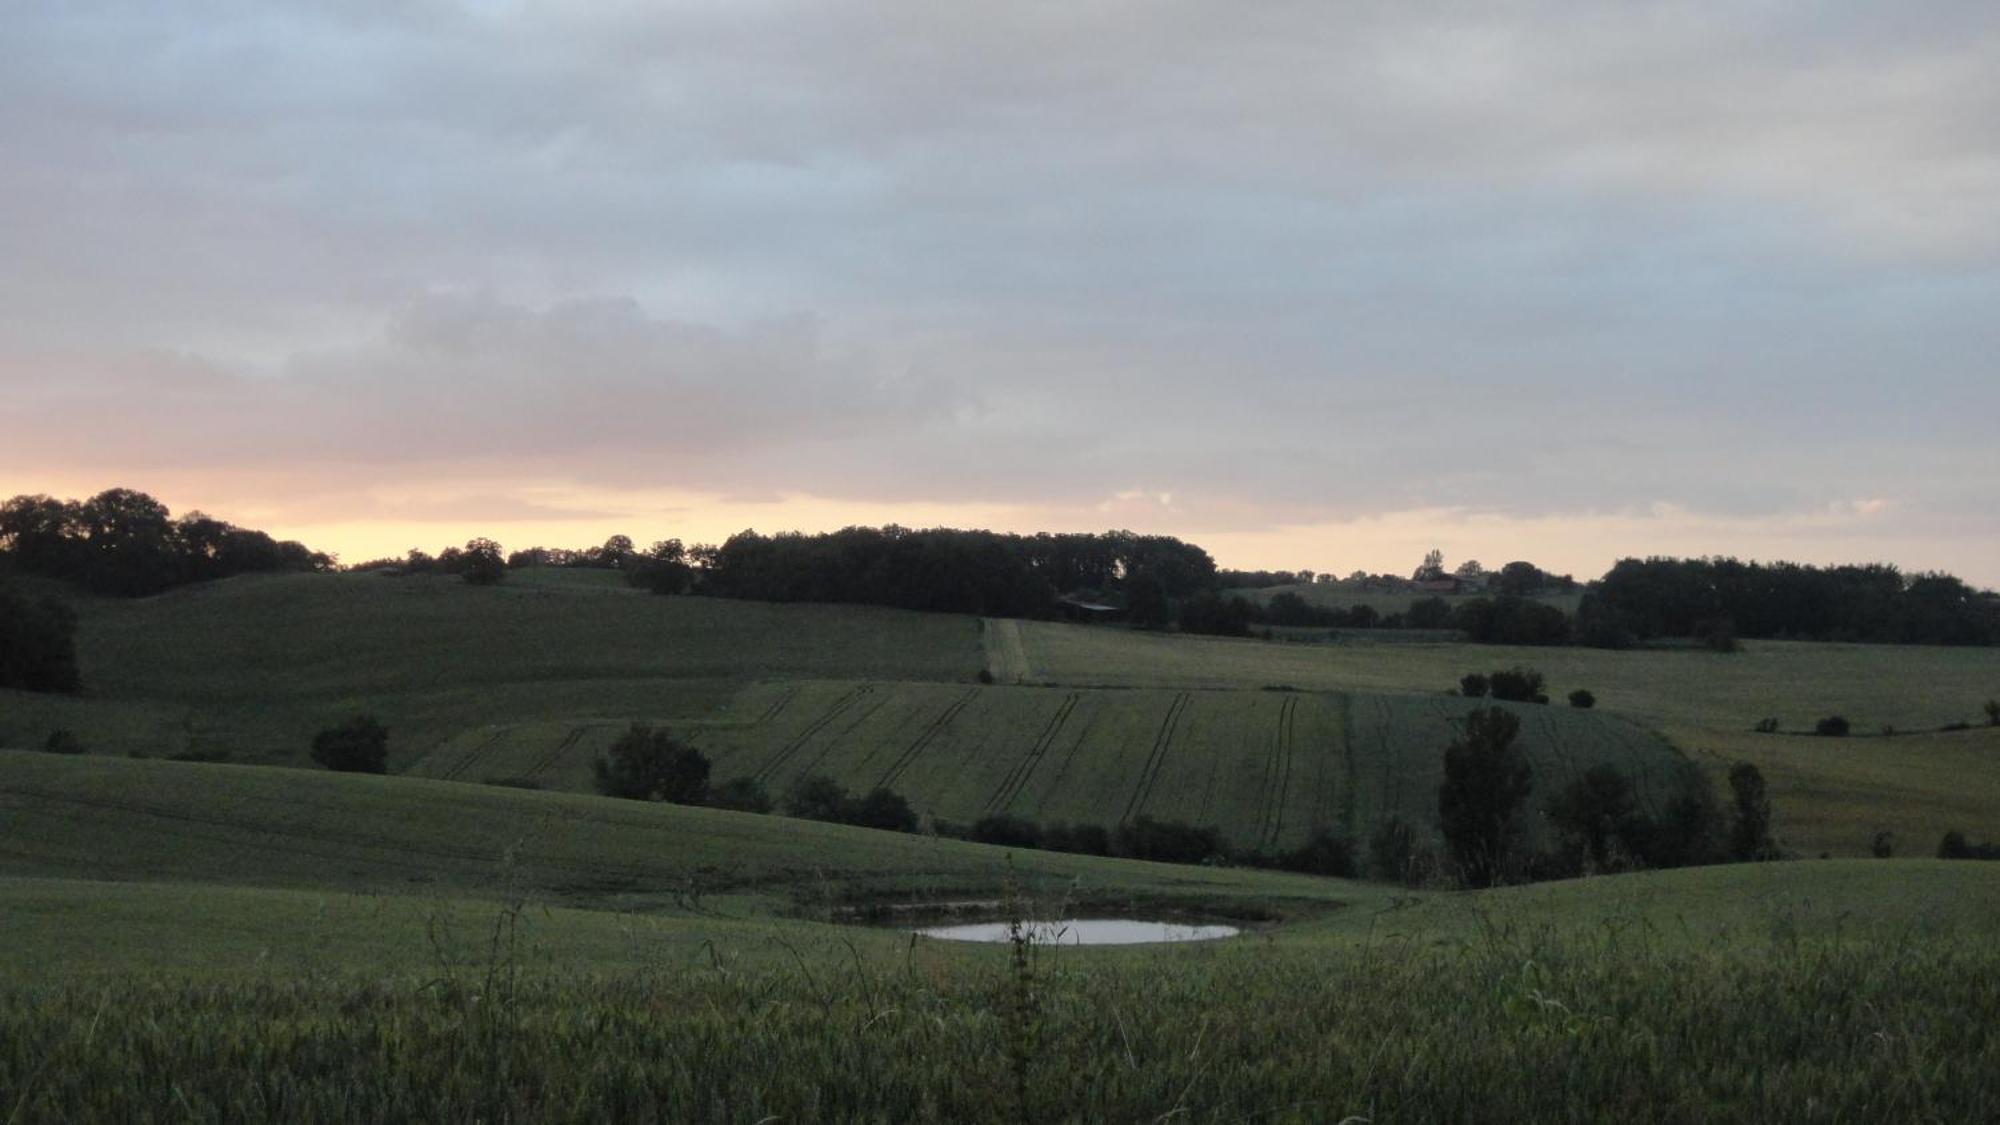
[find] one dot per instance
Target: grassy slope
(107, 818)
(108, 864)
(254, 666)
(1830, 795)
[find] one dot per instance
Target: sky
(1315, 285)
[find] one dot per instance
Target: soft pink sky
(1311, 285)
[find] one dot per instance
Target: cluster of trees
(1162, 841)
(1640, 599)
(479, 562)
(1597, 817)
(37, 643)
(955, 571)
(127, 544)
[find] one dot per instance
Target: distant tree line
(1643, 599)
(127, 544)
(948, 570)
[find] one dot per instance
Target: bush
(62, 741)
(1581, 698)
(1993, 712)
(1008, 831)
(1767, 726)
(359, 745)
(1833, 726)
(1883, 846)
(881, 808)
(1166, 841)
(1518, 685)
(819, 797)
(1472, 685)
(37, 644)
(652, 765)
(815, 797)
(1077, 839)
(985, 676)
(741, 794)
(1324, 853)
(1717, 635)
(1955, 846)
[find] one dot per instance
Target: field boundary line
(1006, 652)
(1149, 774)
(903, 761)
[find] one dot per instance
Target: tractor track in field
(1017, 777)
(784, 699)
(777, 761)
(549, 760)
(1349, 809)
(827, 747)
(1149, 774)
(1278, 773)
(465, 760)
(909, 755)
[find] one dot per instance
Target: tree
(37, 644)
(1486, 780)
(1993, 712)
(1518, 685)
(1582, 699)
(1596, 812)
(1519, 579)
(1473, 685)
(359, 745)
(648, 764)
(1431, 568)
(1750, 832)
(482, 563)
(1469, 571)
(880, 808)
(743, 794)
(816, 797)
(1146, 601)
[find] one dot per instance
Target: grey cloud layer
(1286, 261)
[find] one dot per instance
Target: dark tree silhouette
(647, 764)
(1595, 813)
(482, 563)
(1750, 831)
(1486, 779)
(359, 745)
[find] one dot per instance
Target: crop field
(252, 667)
(1268, 768)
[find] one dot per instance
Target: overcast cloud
(1255, 266)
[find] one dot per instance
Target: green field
(213, 941)
(1268, 768)
(531, 680)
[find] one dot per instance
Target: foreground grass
(1496, 1031)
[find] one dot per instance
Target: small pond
(1087, 931)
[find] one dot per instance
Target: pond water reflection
(1087, 931)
